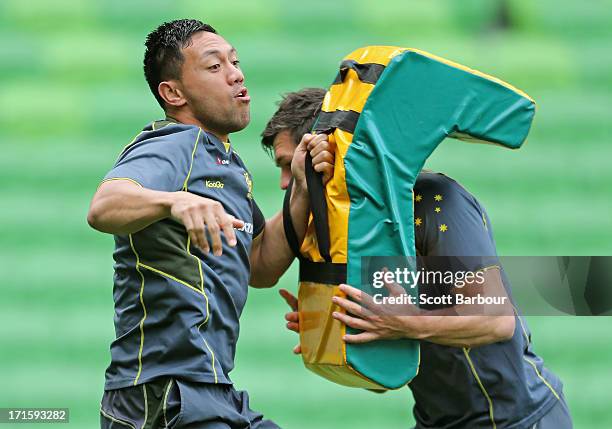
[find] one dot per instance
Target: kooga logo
(214, 184)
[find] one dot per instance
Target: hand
(322, 152)
(293, 320)
(377, 321)
(199, 214)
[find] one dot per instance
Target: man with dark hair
(177, 191)
(295, 117)
(163, 57)
(475, 371)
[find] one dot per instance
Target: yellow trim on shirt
(170, 276)
(120, 178)
(212, 354)
(129, 144)
(466, 352)
(192, 157)
(542, 378)
(144, 310)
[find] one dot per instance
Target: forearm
(122, 207)
(467, 331)
(471, 325)
(272, 254)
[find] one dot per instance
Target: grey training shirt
(176, 308)
(499, 385)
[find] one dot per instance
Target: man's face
(284, 147)
(213, 84)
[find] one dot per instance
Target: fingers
(201, 236)
(322, 157)
(359, 296)
(394, 289)
(289, 298)
(364, 337)
(322, 153)
(227, 225)
(353, 322)
(195, 228)
(317, 144)
(327, 169)
(293, 321)
(292, 318)
(214, 230)
(188, 223)
(351, 306)
(217, 221)
(293, 326)
(202, 215)
(304, 142)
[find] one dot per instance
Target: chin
(241, 123)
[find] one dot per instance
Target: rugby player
(475, 371)
(178, 191)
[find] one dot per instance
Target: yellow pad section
(323, 350)
(338, 206)
(350, 95)
(320, 334)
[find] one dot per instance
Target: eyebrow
(217, 52)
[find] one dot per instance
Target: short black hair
(296, 112)
(163, 58)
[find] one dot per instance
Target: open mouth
(243, 95)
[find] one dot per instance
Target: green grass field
(73, 95)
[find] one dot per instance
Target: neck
(188, 119)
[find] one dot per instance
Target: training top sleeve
(160, 163)
(449, 221)
(259, 221)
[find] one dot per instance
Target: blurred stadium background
(72, 95)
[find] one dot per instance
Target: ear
(171, 93)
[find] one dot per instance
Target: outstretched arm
(124, 207)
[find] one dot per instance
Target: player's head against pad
(295, 116)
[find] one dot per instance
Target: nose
(235, 75)
(285, 178)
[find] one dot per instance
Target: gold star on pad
(418, 198)
(438, 197)
(443, 228)
(418, 221)
(437, 209)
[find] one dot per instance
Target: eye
(236, 63)
(214, 67)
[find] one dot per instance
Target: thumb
(303, 146)
(289, 298)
